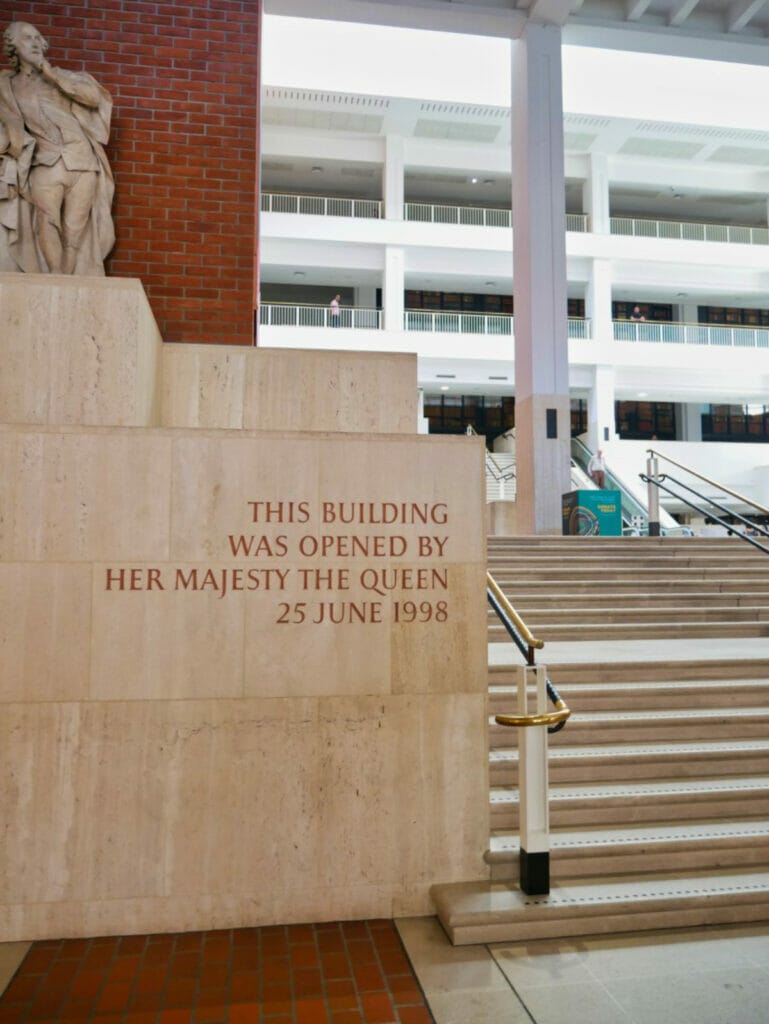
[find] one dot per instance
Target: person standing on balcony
(637, 314)
(597, 469)
(335, 311)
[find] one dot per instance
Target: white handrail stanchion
(652, 470)
(532, 785)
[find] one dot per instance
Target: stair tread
(593, 838)
(634, 750)
(607, 791)
(478, 899)
(674, 714)
(611, 689)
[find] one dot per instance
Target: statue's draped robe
(18, 247)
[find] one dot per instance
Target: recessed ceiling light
(444, 387)
(488, 181)
(643, 394)
(317, 169)
(491, 284)
(446, 376)
(474, 181)
(682, 295)
(299, 273)
(498, 378)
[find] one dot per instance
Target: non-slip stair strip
(636, 750)
(614, 792)
(595, 838)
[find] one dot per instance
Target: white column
(392, 288)
(690, 425)
(393, 175)
(542, 417)
(598, 301)
(595, 194)
(601, 421)
(689, 313)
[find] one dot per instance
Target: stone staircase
(632, 587)
(659, 784)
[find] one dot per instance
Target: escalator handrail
(714, 483)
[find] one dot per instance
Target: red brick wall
(184, 79)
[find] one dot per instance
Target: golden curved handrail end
(516, 619)
(549, 718)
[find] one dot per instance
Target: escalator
(635, 514)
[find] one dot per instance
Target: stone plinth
(289, 389)
(187, 739)
(82, 350)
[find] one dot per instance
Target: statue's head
(19, 36)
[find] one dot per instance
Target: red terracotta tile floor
(352, 972)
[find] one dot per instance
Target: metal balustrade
(321, 206)
(691, 334)
(689, 231)
(476, 323)
(425, 213)
(280, 314)
(476, 216)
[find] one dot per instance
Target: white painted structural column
(392, 288)
(595, 194)
(598, 302)
(542, 417)
(601, 420)
(393, 184)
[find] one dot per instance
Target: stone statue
(56, 185)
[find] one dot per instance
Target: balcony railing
(280, 314)
(691, 334)
(476, 216)
(476, 323)
(321, 206)
(689, 232)
(426, 213)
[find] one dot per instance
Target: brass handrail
(554, 720)
(561, 714)
(713, 483)
(513, 615)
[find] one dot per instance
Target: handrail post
(652, 471)
(534, 865)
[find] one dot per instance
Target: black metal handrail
(707, 512)
(526, 643)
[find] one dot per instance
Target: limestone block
(204, 385)
(289, 389)
(45, 631)
(368, 392)
(70, 495)
(139, 816)
(77, 350)
(160, 644)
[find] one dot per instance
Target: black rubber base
(654, 529)
(535, 873)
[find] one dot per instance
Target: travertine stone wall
(77, 350)
(242, 673)
(289, 389)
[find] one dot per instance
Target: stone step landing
(496, 911)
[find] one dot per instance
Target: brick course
(184, 79)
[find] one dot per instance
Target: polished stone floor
(715, 975)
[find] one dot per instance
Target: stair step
(651, 726)
(690, 693)
(483, 912)
(638, 630)
(683, 612)
(626, 803)
(610, 762)
(599, 853)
